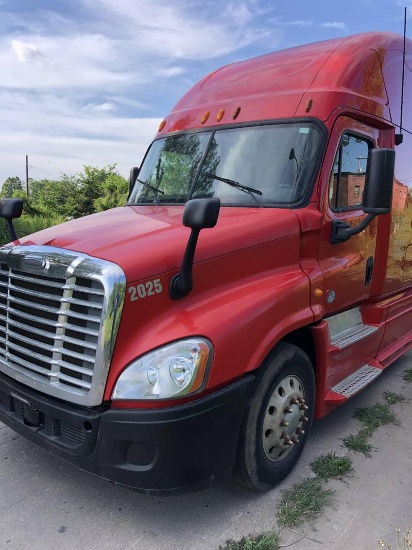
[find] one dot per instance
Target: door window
(347, 179)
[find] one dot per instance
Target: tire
(277, 419)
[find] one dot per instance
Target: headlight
(170, 371)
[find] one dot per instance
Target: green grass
(358, 443)
(391, 398)
(331, 466)
(263, 541)
(407, 375)
(375, 416)
(305, 501)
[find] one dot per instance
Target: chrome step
(347, 328)
(356, 381)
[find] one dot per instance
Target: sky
(87, 82)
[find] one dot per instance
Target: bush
(27, 225)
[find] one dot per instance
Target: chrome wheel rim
(284, 419)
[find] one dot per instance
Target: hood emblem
(35, 262)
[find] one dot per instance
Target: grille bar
(32, 305)
(43, 346)
(15, 360)
(53, 310)
(81, 330)
(49, 283)
(53, 298)
(45, 334)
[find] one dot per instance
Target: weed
(263, 541)
(404, 542)
(393, 398)
(358, 443)
(330, 465)
(305, 501)
(375, 416)
(407, 375)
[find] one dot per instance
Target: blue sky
(86, 82)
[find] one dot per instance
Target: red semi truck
(260, 275)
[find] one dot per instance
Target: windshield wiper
(152, 187)
(252, 192)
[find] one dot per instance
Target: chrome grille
(52, 322)
(50, 326)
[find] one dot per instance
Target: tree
(93, 190)
(53, 196)
(11, 185)
(89, 188)
(115, 190)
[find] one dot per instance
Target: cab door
(347, 267)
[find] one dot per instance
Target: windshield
(270, 165)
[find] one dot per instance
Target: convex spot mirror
(201, 213)
(11, 208)
(134, 172)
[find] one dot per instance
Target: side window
(347, 179)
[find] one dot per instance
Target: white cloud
(58, 137)
(334, 25)
(299, 23)
(80, 92)
(106, 106)
(171, 31)
(28, 52)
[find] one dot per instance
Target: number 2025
(143, 290)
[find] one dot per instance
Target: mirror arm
(343, 231)
(12, 232)
(182, 283)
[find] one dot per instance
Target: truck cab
(259, 276)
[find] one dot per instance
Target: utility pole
(27, 175)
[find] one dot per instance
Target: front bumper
(157, 451)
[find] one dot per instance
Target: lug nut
(303, 418)
(303, 407)
(288, 442)
(300, 431)
(284, 435)
(295, 440)
(294, 401)
(287, 410)
(301, 400)
(284, 423)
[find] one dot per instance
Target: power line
(44, 172)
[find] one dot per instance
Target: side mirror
(10, 209)
(198, 214)
(134, 172)
(377, 194)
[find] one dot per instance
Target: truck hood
(148, 240)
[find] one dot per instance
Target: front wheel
(277, 419)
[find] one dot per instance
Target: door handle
(369, 270)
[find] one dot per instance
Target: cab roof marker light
(205, 117)
(162, 125)
(236, 113)
(220, 115)
(308, 105)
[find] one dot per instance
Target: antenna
(399, 137)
